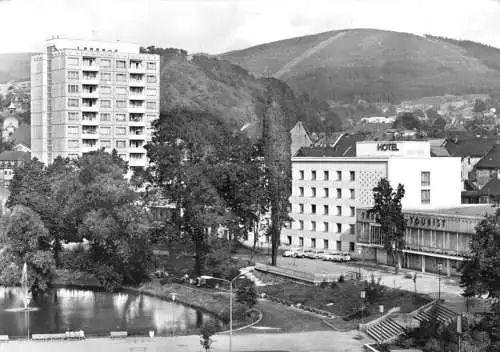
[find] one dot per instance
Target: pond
(95, 312)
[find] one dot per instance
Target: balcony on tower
(136, 132)
(136, 119)
(89, 64)
(89, 133)
(90, 91)
(136, 146)
(137, 66)
(137, 80)
(90, 104)
(137, 93)
(89, 118)
(89, 77)
(137, 159)
(136, 106)
(89, 145)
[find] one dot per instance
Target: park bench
(117, 334)
(4, 337)
(48, 336)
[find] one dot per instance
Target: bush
(206, 333)
(239, 312)
(374, 289)
(108, 277)
(10, 275)
(247, 295)
(341, 278)
(76, 260)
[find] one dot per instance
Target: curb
(246, 326)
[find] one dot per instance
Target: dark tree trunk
(200, 251)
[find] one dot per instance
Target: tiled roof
(473, 147)
(11, 155)
(491, 160)
(344, 147)
(492, 188)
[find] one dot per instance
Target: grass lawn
(343, 299)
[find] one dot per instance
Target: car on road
(333, 257)
(346, 257)
(318, 254)
(294, 253)
(325, 255)
(308, 253)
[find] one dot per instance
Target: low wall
(314, 278)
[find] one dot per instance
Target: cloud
(216, 26)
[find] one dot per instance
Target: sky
(217, 26)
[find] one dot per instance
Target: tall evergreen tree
(277, 158)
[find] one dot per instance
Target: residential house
(9, 161)
(488, 167)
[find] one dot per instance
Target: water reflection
(74, 309)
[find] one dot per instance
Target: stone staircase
(251, 276)
(385, 330)
(437, 310)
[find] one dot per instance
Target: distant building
(432, 237)
(470, 150)
(488, 167)
(328, 185)
(300, 137)
(9, 161)
(87, 95)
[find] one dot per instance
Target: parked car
(308, 253)
(294, 253)
(334, 257)
(318, 254)
(326, 255)
(346, 257)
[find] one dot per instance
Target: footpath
(321, 341)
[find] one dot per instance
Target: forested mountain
(375, 65)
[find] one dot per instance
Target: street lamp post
(440, 267)
(359, 263)
(173, 295)
(231, 304)
(27, 301)
(363, 295)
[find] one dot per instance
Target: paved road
(277, 318)
(295, 342)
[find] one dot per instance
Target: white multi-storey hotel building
(87, 95)
(327, 189)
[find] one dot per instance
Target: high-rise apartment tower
(87, 95)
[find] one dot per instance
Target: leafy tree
(208, 172)
(247, 295)
(206, 333)
(479, 273)
(28, 238)
(479, 105)
(408, 121)
(388, 210)
(278, 166)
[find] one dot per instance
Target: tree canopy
(481, 272)
(88, 198)
(388, 210)
(209, 172)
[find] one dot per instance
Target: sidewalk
(294, 342)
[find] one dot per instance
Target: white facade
(326, 191)
(88, 95)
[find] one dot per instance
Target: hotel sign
(424, 221)
(390, 147)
